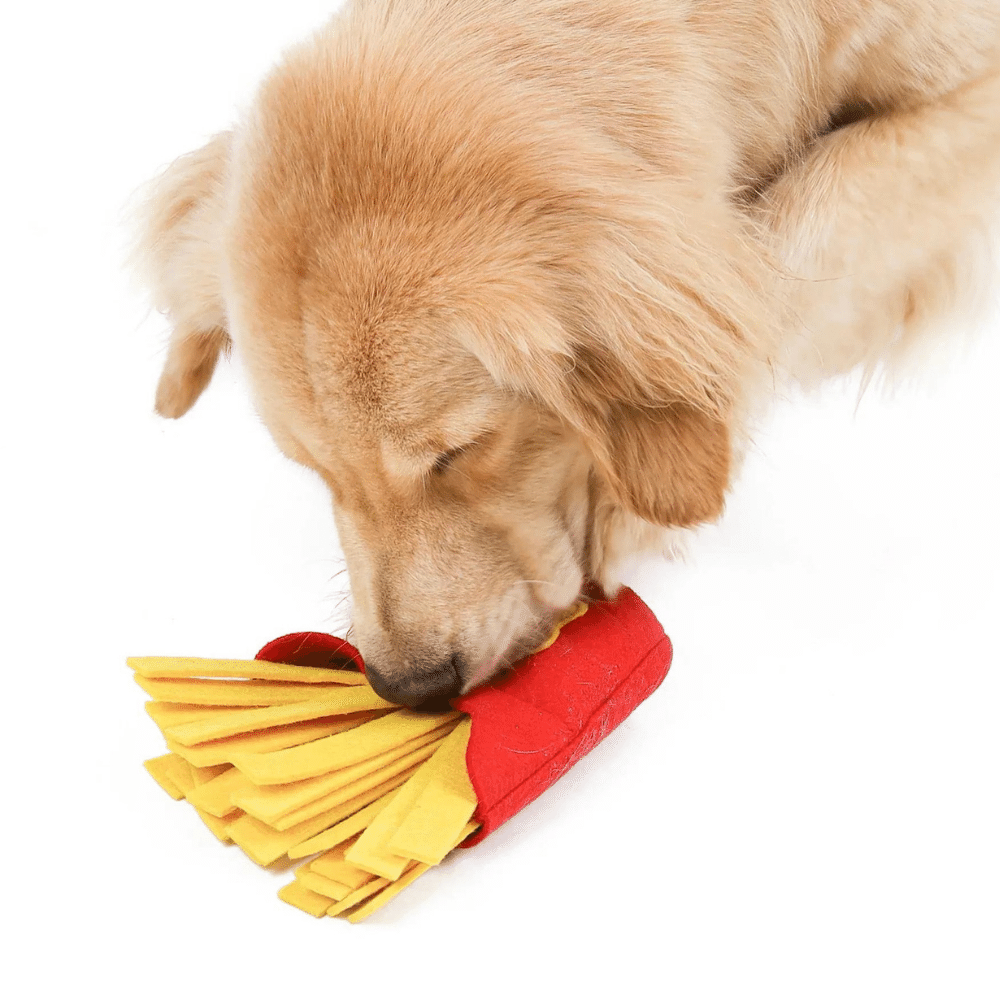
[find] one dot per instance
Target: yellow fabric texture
(304, 762)
(307, 763)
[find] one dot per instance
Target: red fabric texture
(532, 725)
(312, 649)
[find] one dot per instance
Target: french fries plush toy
(293, 755)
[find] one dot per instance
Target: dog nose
(427, 689)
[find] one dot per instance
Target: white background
(806, 809)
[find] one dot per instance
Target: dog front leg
(884, 228)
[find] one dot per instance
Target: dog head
(499, 342)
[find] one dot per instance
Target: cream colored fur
(517, 278)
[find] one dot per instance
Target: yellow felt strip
(266, 740)
(180, 773)
(343, 831)
(216, 825)
(333, 865)
(392, 889)
(159, 768)
(183, 752)
(467, 831)
(296, 894)
(349, 701)
(264, 845)
(397, 772)
(169, 713)
(274, 801)
(371, 851)
(358, 896)
(243, 693)
(231, 818)
(216, 797)
(341, 750)
(204, 774)
(384, 895)
(261, 670)
(372, 856)
(323, 885)
(443, 807)
(259, 842)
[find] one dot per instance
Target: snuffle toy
(293, 755)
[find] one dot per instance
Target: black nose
(429, 689)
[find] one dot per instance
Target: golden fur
(516, 277)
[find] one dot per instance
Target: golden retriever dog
(517, 277)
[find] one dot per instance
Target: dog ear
(646, 340)
(178, 259)
(661, 443)
(670, 466)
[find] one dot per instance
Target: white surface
(807, 808)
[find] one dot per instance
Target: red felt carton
(531, 725)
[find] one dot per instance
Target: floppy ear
(669, 466)
(178, 257)
(658, 429)
(656, 331)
